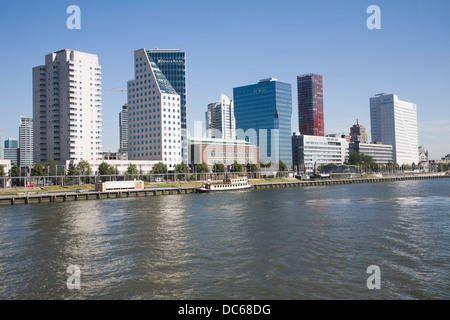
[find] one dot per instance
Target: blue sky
(234, 43)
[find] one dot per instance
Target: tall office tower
(310, 105)
(123, 129)
(26, 141)
(263, 117)
(12, 151)
(220, 121)
(358, 133)
(172, 64)
(394, 122)
(67, 108)
(154, 111)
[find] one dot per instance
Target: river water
(299, 243)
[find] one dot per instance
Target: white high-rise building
(154, 114)
(394, 122)
(26, 141)
(220, 120)
(67, 109)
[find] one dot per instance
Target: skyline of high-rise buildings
(67, 108)
(70, 82)
(394, 122)
(310, 105)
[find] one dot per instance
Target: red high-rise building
(310, 105)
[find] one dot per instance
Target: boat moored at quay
(233, 184)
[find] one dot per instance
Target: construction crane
(121, 90)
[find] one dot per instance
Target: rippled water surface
(299, 243)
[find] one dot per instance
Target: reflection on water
(268, 244)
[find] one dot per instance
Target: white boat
(240, 183)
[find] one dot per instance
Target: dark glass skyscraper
(172, 64)
(310, 105)
(263, 117)
(12, 151)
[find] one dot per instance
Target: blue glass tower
(172, 64)
(263, 117)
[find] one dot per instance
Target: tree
(282, 166)
(84, 168)
(2, 171)
(50, 167)
(181, 168)
(132, 169)
(251, 167)
(160, 168)
(202, 168)
(266, 164)
(218, 168)
(236, 167)
(357, 158)
(15, 171)
(105, 169)
(73, 171)
(38, 170)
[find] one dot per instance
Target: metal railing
(44, 181)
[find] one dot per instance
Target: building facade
(358, 133)
(263, 117)
(380, 153)
(26, 142)
(310, 152)
(347, 137)
(154, 114)
(172, 64)
(67, 108)
(220, 120)
(226, 152)
(114, 156)
(12, 151)
(394, 122)
(123, 130)
(310, 105)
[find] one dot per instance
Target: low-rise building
(380, 153)
(4, 180)
(226, 152)
(310, 152)
(6, 164)
(423, 155)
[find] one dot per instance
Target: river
(295, 243)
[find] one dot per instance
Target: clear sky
(233, 43)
